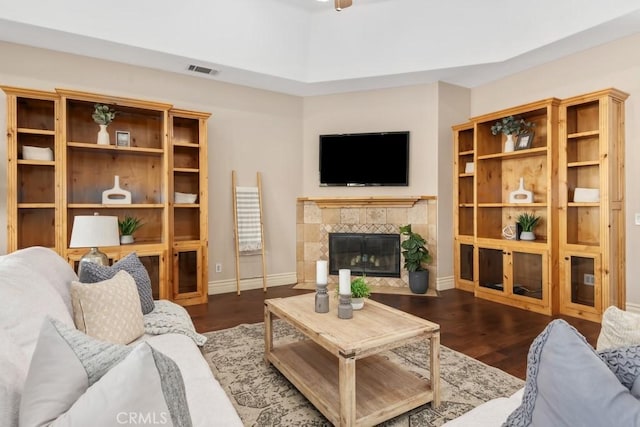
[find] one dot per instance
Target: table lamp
(91, 231)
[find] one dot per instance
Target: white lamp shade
(91, 231)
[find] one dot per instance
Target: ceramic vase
(509, 144)
(126, 240)
(103, 136)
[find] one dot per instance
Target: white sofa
(34, 284)
(490, 414)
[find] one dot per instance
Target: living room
(276, 134)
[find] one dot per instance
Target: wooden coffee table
(323, 367)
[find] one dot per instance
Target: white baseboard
(634, 308)
(444, 283)
(229, 285)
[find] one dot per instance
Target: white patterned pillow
(108, 310)
(619, 329)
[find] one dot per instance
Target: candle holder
(345, 311)
(322, 298)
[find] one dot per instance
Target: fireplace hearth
(371, 254)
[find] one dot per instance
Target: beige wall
(428, 112)
(412, 108)
(250, 130)
(615, 64)
(258, 130)
(453, 108)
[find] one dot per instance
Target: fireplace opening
(371, 254)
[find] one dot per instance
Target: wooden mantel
(360, 202)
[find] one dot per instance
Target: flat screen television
(365, 159)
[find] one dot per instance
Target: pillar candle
(321, 272)
(345, 281)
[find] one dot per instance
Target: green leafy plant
(511, 126)
(102, 114)
(360, 288)
(129, 225)
(415, 252)
(528, 221)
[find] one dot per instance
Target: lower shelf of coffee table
(383, 389)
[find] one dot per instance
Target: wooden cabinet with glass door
(33, 163)
(592, 220)
(464, 211)
(515, 274)
(189, 180)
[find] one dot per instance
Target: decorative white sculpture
(116, 195)
(521, 195)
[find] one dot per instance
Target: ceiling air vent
(203, 70)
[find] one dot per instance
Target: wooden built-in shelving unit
(578, 142)
(167, 153)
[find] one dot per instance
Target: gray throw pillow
(92, 273)
(624, 362)
(569, 385)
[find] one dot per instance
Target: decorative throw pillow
(569, 385)
(108, 310)
(76, 380)
(619, 329)
(624, 362)
(92, 273)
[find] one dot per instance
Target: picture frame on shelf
(524, 141)
(123, 138)
(469, 167)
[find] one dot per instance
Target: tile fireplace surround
(319, 216)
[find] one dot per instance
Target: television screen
(365, 159)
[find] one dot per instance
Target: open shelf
(307, 365)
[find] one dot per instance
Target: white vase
(509, 145)
(527, 235)
(126, 240)
(357, 303)
(103, 136)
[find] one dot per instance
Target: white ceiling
(305, 47)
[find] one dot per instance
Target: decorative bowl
(36, 153)
(184, 197)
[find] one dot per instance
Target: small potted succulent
(415, 255)
(127, 227)
(103, 115)
(511, 126)
(359, 291)
(527, 222)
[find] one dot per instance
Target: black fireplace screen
(365, 253)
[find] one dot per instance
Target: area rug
(263, 397)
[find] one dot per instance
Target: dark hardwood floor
(493, 333)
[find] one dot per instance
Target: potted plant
(415, 255)
(103, 115)
(359, 291)
(127, 227)
(527, 222)
(511, 126)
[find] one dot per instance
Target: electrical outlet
(218, 268)
(589, 279)
(637, 218)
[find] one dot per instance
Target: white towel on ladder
(248, 210)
